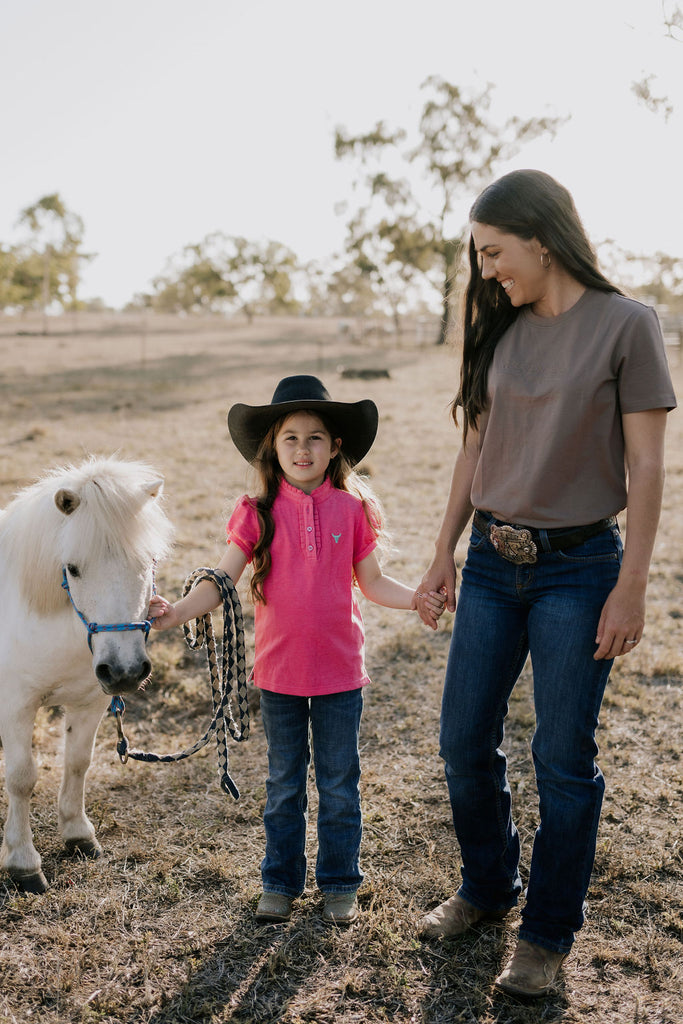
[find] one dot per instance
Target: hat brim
(355, 423)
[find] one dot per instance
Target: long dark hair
(341, 474)
(529, 204)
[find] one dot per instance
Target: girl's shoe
(340, 908)
(274, 906)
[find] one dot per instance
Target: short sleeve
(644, 381)
(365, 536)
(243, 526)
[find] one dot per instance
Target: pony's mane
(116, 514)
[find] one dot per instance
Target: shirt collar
(294, 494)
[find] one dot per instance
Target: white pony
(97, 529)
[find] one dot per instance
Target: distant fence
(384, 333)
(379, 332)
(368, 332)
(106, 322)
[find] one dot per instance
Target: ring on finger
(631, 641)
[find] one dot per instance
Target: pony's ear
(67, 501)
(155, 487)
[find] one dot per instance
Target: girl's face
(514, 262)
(304, 449)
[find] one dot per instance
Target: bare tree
(457, 150)
(672, 19)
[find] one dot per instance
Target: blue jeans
(551, 610)
(332, 721)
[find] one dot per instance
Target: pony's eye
(74, 571)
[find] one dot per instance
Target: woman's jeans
(551, 610)
(334, 721)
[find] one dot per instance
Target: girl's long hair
(341, 475)
(529, 204)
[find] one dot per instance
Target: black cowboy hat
(355, 422)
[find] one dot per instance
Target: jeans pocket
(603, 547)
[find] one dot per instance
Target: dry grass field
(160, 929)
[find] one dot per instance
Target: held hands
(430, 606)
(436, 591)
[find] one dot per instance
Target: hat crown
(300, 388)
(354, 422)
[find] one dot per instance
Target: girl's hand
(162, 613)
(432, 605)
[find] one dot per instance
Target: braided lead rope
(233, 667)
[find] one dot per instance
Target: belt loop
(544, 540)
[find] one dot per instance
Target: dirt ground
(160, 929)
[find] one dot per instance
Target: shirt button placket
(308, 520)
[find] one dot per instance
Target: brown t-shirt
(551, 445)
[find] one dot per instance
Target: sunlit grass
(160, 930)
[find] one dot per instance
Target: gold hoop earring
(546, 255)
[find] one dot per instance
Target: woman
(564, 392)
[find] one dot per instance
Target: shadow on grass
(253, 974)
(304, 971)
(461, 987)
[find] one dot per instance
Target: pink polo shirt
(309, 636)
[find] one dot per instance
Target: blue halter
(96, 627)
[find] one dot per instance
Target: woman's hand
(621, 622)
(440, 576)
(623, 616)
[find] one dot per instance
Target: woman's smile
(513, 262)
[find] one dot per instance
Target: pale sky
(160, 121)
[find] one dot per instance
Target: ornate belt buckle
(512, 544)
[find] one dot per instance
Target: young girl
(310, 534)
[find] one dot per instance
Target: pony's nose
(117, 678)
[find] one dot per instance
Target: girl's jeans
(334, 721)
(551, 610)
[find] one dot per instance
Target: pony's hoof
(83, 848)
(29, 881)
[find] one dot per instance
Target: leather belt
(518, 544)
